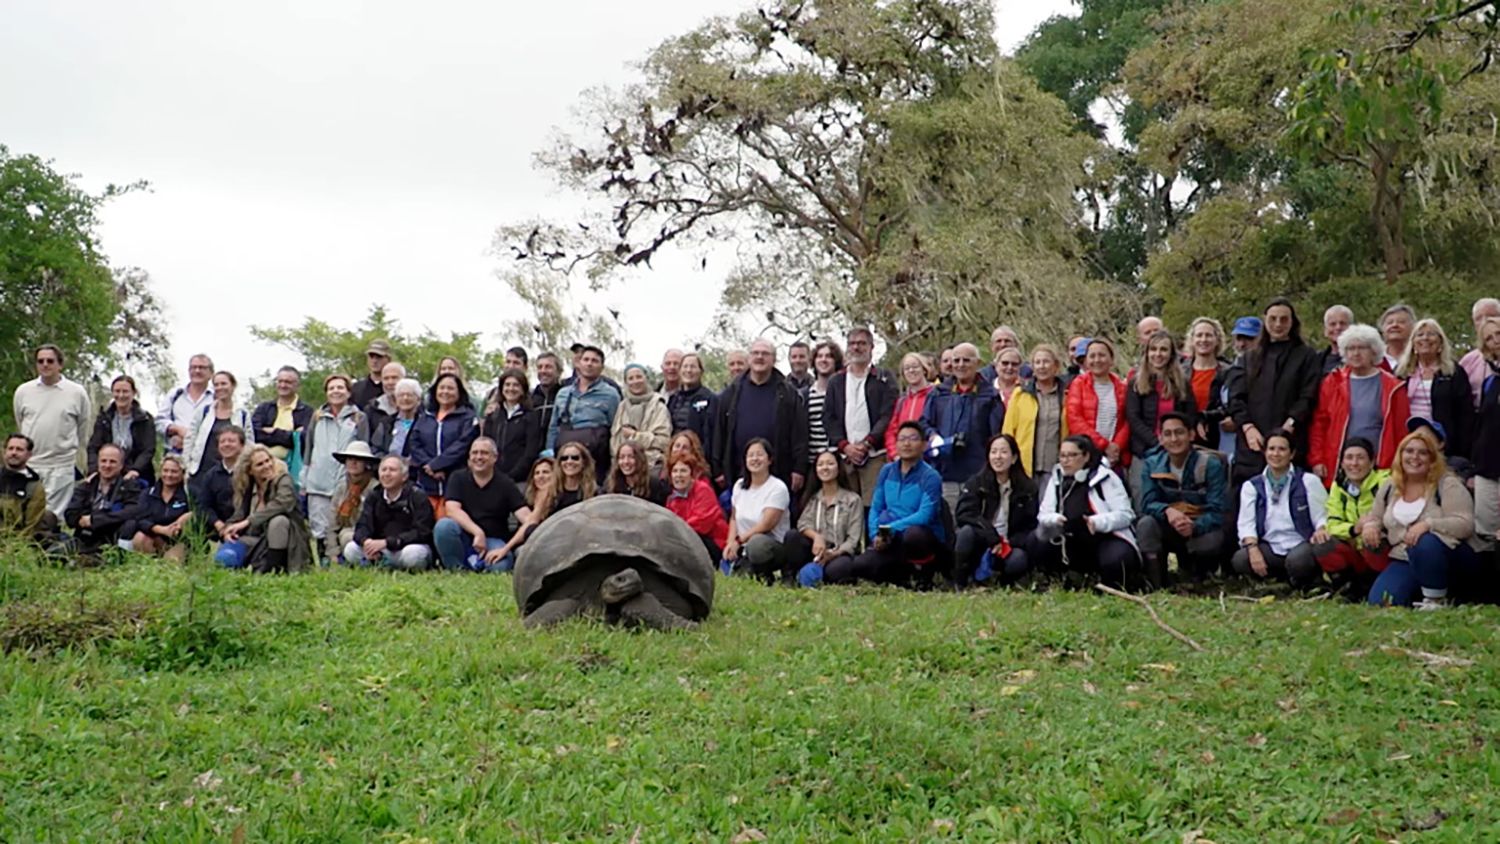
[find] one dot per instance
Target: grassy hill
(148, 702)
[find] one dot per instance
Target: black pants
(799, 553)
(1111, 557)
(912, 559)
(971, 543)
(715, 553)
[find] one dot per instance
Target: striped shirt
(817, 435)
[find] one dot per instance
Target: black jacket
(1329, 359)
(381, 429)
(979, 498)
(543, 401)
(213, 493)
(264, 416)
(142, 440)
(1487, 429)
(1140, 413)
(1453, 408)
(696, 410)
(1267, 395)
(518, 438)
(790, 444)
(107, 516)
(364, 391)
(880, 397)
(406, 521)
(1217, 408)
(152, 512)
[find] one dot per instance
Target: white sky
(312, 158)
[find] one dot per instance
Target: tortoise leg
(553, 612)
(644, 610)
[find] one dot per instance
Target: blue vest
(1301, 513)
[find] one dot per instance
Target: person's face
(263, 466)
(337, 392)
(514, 362)
(16, 454)
(1043, 366)
(447, 393)
(571, 462)
(546, 371)
(171, 473)
(1071, 458)
(909, 444)
(1426, 342)
(199, 371)
(691, 371)
(1278, 453)
(1334, 324)
(482, 457)
(223, 387)
(1397, 327)
(1205, 340)
(376, 362)
(945, 362)
(860, 348)
(230, 447)
(965, 363)
(1416, 458)
(671, 366)
(827, 467)
(389, 376)
(511, 391)
(798, 358)
(1278, 322)
(407, 401)
(1008, 367)
(358, 469)
(47, 364)
(737, 362)
(1099, 361)
(541, 476)
(680, 448)
(1159, 354)
(1175, 438)
(1483, 313)
(1360, 358)
(287, 384)
(122, 393)
(590, 364)
(391, 476)
(627, 461)
(1242, 343)
(682, 477)
(913, 372)
(1001, 458)
(448, 366)
(1356, 464)
(756, 459)
(823, 362)
(635, 382)
(1144, 329)
(1492, 342)
(110, 463)
(762, 358)
(1000, 340)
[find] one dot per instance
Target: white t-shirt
(750, 505)
(1408, 512)
(856, 410)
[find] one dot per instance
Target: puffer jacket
(1082, 408)
(1345, 509)
(327, 434)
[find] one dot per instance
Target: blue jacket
(442, 445)
(979, 413)
(1205, 483)
(914, 499)
(594, 408)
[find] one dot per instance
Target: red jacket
(1330, 422)
(1083, 414)
(701, 510)
(908, 409)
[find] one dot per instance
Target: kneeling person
(395, 525)
(101, 505)
(905, 521)
(475, 531)
(1184, 496)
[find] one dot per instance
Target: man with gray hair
(857, 410)
(1473, 361)
(383, 406)
(395, 524)
(276, 420)
(1335, 321)
(181, 407)
(762, 405)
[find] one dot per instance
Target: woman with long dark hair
(1085, 523)
(514, 425)
(1279, 389)
(832, 522)
(996, 517)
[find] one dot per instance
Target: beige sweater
(56, 417)
(1453, 522)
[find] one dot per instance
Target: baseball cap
(378, 347)
(1416, 422)
(1246, 326)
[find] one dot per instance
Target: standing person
(904, 524)
(474, 533)
(102, 505)
(213, 495)
(632, 474)
(1096, 404)
(1158, 388)
(827, 360)
(671, 373)
(737, 361)
(1437, 389)
(1279, 389)
(799, 362)
(391, 433)
(161, 514)
(1036, 415)
(395, 526)
(686, 445)
(1078, 348)
(516, 358)
(23, 501)
(514, 426)
(1427, 517)
(1207, 374)
(1184, 496)
(762, 405)
(831, 527)
(996, 519)
(693, 500)
(759, 518)
(440, 440)
(1350, 500)
(586, 409)
(268, 533)
(181, 407)
(857, 412)
(450, 365)
(53, 413)
(1357, 401)
(369, 388)
(960, 417)
(1283, 519)
(203, 450)
(1336, 320)
(1145, 329)
(335, 426)
(694, 407)
(277, 420)
(945, 364)
(380, 411)
(1084, 523)
(548, 384)
(1002, 338)
(360, 464)
(1395, 328)
(916, 385)
(641, 418)
(1487, 437)
(122, 422)
(1007, 379)
(1473, 361)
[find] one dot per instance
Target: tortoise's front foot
(645, 610)
(553, 612)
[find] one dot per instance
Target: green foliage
(398, 708)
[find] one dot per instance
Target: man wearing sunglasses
(54, 413)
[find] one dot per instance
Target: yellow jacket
(1020, 420)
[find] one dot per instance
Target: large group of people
(1370, 466)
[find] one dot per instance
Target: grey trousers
(1299, 565)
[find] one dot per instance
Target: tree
(873, 161)
(556, 321)
(56, 285)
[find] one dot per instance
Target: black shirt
(756, 410)
(490, 505)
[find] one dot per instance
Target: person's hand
(732, 549)
(797, 480)
(85, 521)
(427, 470)
(1253, 438)
(998, 549)
(881, 542)
(1290, 425)
(1112, 453)
(1320, 536)
(1227, 425)
(219, 526)
(1258, 561)
(132, 475)
(495, 555)
(480, 543)
(232, 532)
(819, 545)
(89, 478)
(372, 548)
(439, 475)
(1321, 471)
(1179, 522)
(267, 429)
(627, 430)
(1202, 431)
(1089, 523)
(1415, 532)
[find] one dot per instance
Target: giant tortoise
(617, 558)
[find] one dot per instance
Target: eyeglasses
(909, 438)
(570, 458)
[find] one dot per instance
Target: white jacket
(204, 423)
(1108, 499)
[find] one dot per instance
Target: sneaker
(1429, 604)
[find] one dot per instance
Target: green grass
(360, 706)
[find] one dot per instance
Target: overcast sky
(312, 158)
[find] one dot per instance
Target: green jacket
(23, 503)
(1345, 510)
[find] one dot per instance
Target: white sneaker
(1429, 604)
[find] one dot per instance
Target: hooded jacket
(1109, 502)
(1330, 425)
(327, 435)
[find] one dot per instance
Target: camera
(960, 440)
(883, 532)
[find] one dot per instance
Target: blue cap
(810, 576)
(1081, 348)
(1416, 422)
(1246, 326)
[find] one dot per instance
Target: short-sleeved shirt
(750, 504)
(490, 505)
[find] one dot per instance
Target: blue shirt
(1365, 411)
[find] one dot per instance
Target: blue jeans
(1425, 571)
(455, 548)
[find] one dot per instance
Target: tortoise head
(621, 586)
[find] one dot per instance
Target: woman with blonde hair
(268, 533)
(161, 514)
(1487, 435)
(1436, 388)
(1036, 413)
(917, 377)
(1208, 374)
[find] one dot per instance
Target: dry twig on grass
(1176, 634)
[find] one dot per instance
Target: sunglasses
(570, 458)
